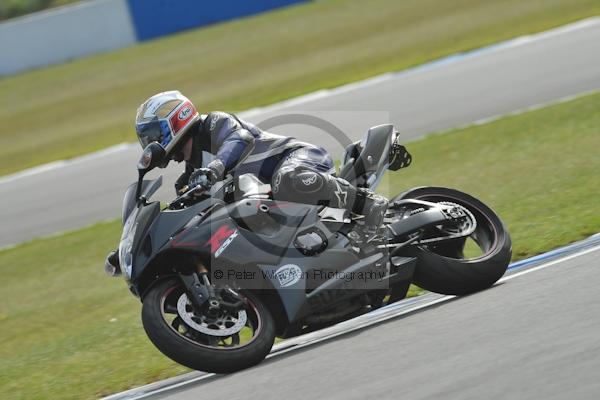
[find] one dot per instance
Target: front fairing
(133, 240)
(136, 217)
(148, 230)
(158, 231)
(149, 187)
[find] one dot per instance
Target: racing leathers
(297, 171)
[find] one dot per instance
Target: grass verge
(16, 8)
(82, 106)
(69, 332)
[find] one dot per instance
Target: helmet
(165, 118)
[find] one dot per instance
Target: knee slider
(298, 184)
(306, 181)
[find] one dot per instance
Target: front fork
(201, 292)
(198, 291)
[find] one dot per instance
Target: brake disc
(223, 325)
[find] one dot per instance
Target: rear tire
(443, 268)
(195, 355)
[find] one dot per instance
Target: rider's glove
(206, 177)
(203, 177)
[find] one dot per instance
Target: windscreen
(149, 187)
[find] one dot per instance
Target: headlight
(126, 245)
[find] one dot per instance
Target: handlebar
(181, 201)
(194, 192)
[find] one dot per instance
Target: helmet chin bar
(182, 152)
(186, 149)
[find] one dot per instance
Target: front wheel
(465, 265)
(220, 343)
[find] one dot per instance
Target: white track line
(549, 264)
(335, 331)
(520, 111)
(324, 93)
(441, 299)
(451, 59)
(64, 163)
(496, 117)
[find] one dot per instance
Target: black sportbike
(222, 272)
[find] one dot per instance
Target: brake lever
(181, 200)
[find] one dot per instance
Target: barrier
(86, 28)
(154, 18)
(64, 34)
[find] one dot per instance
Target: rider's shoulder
(216, 120)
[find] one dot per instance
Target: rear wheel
(215, 342)
(463, 265)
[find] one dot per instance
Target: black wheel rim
(173, 319)
(485, 237)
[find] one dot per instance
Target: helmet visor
(152, 131)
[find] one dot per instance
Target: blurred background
(496, 98)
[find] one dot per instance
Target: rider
(297, 171)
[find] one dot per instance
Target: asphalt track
(454, 91)
(532, 336)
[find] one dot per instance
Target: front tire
(443, 268)
(205, 354)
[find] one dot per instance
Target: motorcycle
(222, 272)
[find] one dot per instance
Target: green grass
(539, 171)
(58, 340)
(69, 332)
(66, 110)
(16, 8)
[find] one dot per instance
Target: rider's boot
(373, 206)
